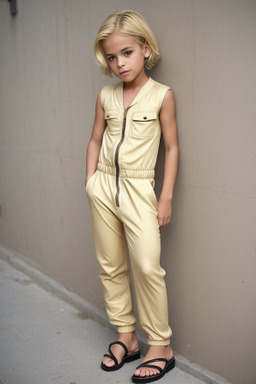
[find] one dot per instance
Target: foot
(131, 342)
(154, 352)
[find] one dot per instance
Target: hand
(164, 211)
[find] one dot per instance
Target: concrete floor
(46, 340)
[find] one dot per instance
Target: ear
(147, 50)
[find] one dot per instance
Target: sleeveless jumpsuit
(124, 212)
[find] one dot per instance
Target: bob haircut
(130, 23)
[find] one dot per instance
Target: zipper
(117, 158)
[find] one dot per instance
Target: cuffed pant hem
(129, 328)
(159, 342)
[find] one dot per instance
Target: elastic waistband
(126, 173)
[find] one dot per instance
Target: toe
(108, 362)
(137, 372)
(155, 371)
(146, 372)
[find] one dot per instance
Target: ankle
(129, 339)
(127, 336)
(160, 350)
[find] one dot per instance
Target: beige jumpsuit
(124, 211)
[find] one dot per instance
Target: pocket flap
(111, 115)
(144, 116)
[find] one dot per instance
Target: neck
(137, 83)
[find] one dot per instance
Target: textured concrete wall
(48, 85)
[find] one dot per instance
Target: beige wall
(48, 85)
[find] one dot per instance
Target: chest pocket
(145, 123)
(113, 122)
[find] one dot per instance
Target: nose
(120, 63)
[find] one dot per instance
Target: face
(125, 57)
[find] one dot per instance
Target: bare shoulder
(98, 101)
(99, 120)
(168, 106)
(99, 111)
(169, 99)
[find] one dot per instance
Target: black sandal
(147, 364)
(126, 359)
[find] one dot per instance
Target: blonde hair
(130, 23)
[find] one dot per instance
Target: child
(121, 158)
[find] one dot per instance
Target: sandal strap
(147, 364)
(119, 343)
(111, 355)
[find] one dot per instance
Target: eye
(111, 58)
(128, 53)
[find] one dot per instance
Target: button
(145, 118)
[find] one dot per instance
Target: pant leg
(111, 252)
(139, 214)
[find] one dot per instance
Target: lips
(124, 73)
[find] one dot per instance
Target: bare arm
(94, 145)
(170, 137)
